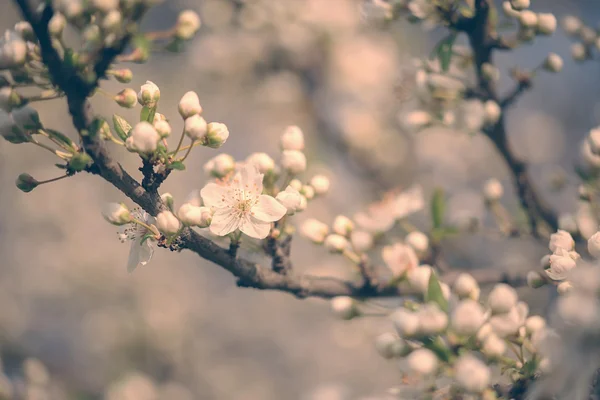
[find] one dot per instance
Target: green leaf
(443, 51)
(79, 161)
(438, 208)
(96, 126)
(437, 345)
(178, 165)
(434, 292)
(64, 139)
(122, 127)
(147, 114)
(441, 233)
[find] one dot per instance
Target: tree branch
(248, 274)
(482, 39)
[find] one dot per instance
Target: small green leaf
(438, 208)
(175, 46)
(437, 345)
(445, 51)
(434, 292)
(178, 165)
(444, 232)
(122, 127)
(147, 114)
(64, 139)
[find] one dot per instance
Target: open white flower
(409, 201)
(239, 204)
(400, 258)
(140, 253)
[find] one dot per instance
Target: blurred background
(179, 328)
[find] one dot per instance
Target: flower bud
(432, 320)
(292, 139)
(546, 24)
(216, 135)
(159, 117)
(593, 245)
(534, 324)
(112, 22)
(561, 240)
(168, 199)
(493, 346)
(123, 75)
(149, 94)
(167, 223)
(564, 287)
(553, 63)
(465, 286)
(361, 241)
(418, 241)
(57, 24)
(293, 161)
(422, 361)
(502, 298)
(467, 317)
(79, 161)
(320, 184)
(509, 11)
(389, 345)
(471, 374)
(308, 192)
(13, 51)
(26, 183)
(588, 35)
(163, 128)
(92, 35)
(492, 112)
(519, 4)
(561, 264)
(535, 280)
(492, 190)
(191, 215)
(189, 105)
(314, 230)
(264, 163)
(571, 25)
(344, 307)
(117, 214)
(490, 72)
(187, 25)
(126, 98)
(593, 139)
(418, 278)
(290, 198)
(143, 138)
(405, 322)
(343, 225)
(220, 166)
(336, 243)
(303, 203)
(195, 127)
(579, 52)
(24, 29)
(528, 19)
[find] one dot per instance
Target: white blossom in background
(406, 322)
(292, 139)
(502, 298)
(187, 25)
(465, 286)
(561, 263)
(409, 202)
(13, 50)
(418, 278)
(423, 362)
(471, 374)
(314, 230)
(240, 204)
(400, 258)
(593, 245)
(189, 105)
(467, 317)
(262, 161)
(418, 241)
(293, 161)
(344, 307)
(561, 240)
(220, 166)
(320, 184)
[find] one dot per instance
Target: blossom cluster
(586, 38)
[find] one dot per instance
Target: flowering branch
(483, 40)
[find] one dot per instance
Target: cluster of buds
(450, 333)
(587, 39)
(149, 136)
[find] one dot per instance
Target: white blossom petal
(409, 201)
(215, 195)
(139, 254)
(224, 222)
(268, 209)
(255, 228)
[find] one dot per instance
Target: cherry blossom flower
(239, 204)
(140, 253)
(400, 258)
